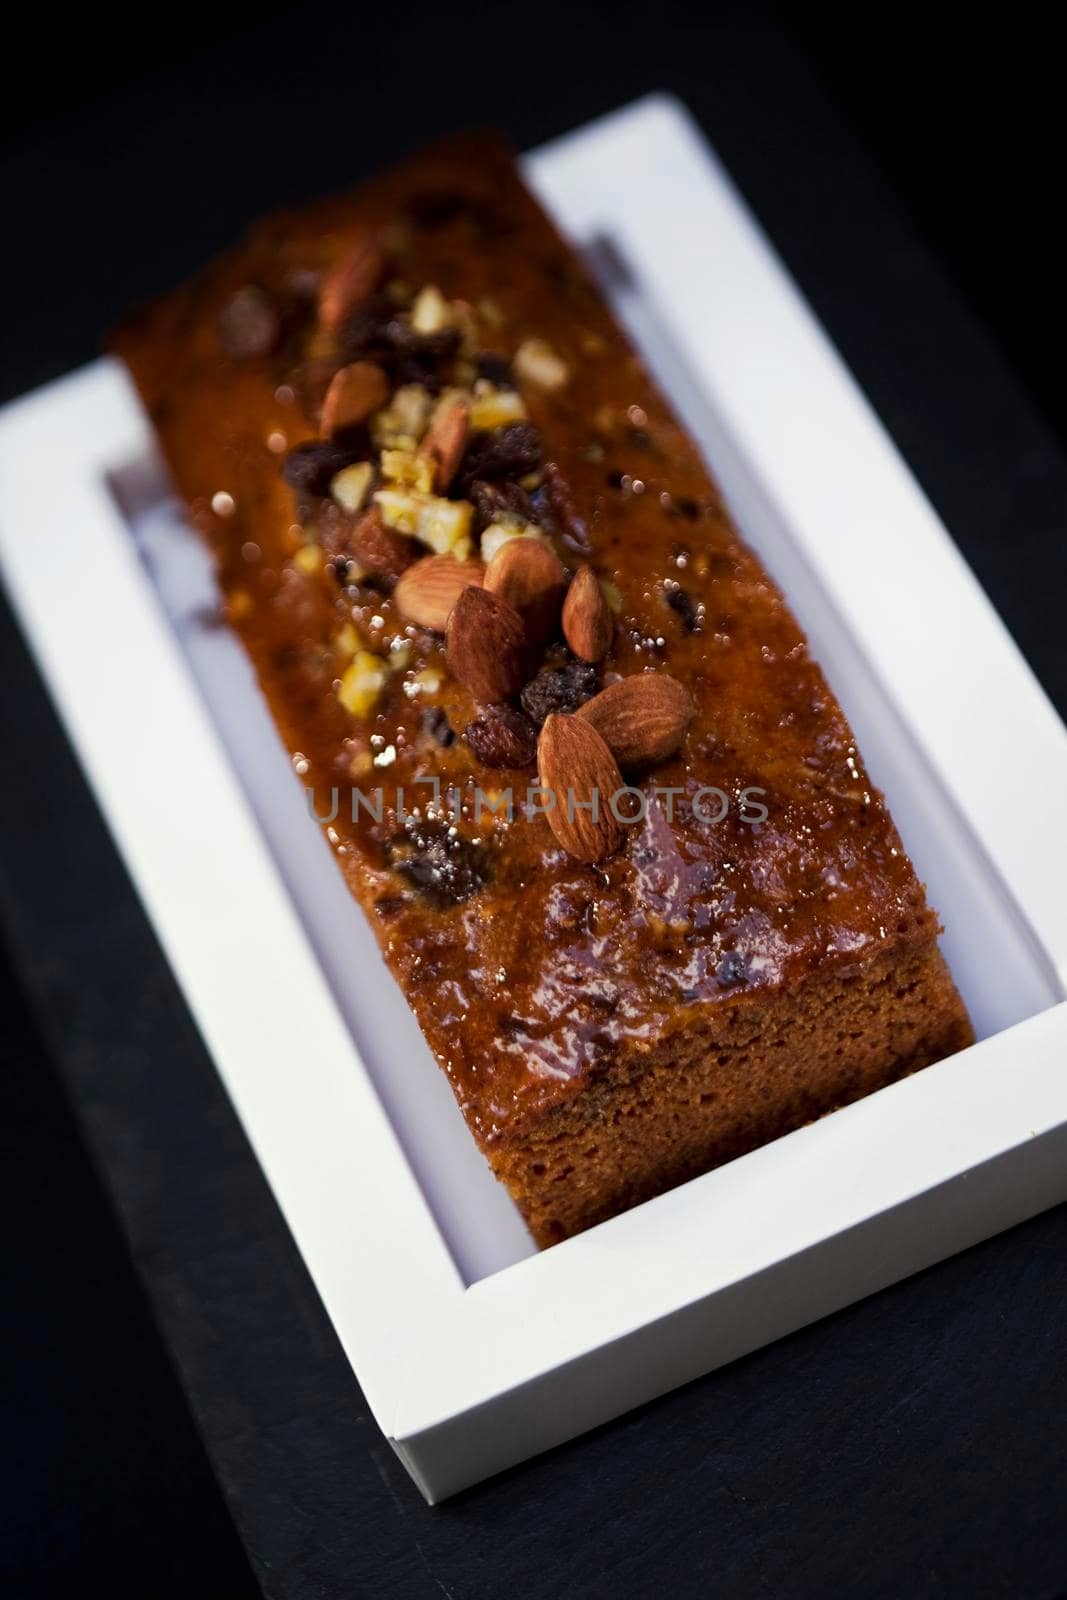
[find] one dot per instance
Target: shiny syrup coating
(527, 970)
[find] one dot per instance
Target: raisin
(366, 331)
(435, 726)
(311, 467)
(389, 906)
(508, 452)
(379, 333)
(502, 737)
(249, 324)
(495, 369)
(443, 866)
(379, 550)
(427, 347)
(492, 501)
(681, 601)
(555, 493)
(560, 689)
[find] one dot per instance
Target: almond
(427, 591)
(486, 646)
(445, 441)
(642, 719)
(348, 284)
(355, 391)
(530, 577)
(587, 621)
(578, 769)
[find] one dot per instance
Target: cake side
(425, 367)
(727, 1081)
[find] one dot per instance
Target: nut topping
(352, 281)
(587, 620)
(642, 719)
(577, 767)
(355, 391)
(427, 591)
(486, 645)
(446, 440)
(536, 362)
(529, 576)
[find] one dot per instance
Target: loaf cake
(567, 742)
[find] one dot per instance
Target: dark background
(916, 1444)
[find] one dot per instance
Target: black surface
(915, 1444)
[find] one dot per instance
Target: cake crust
(609, 1028)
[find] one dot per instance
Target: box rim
(93, 424)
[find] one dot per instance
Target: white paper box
(475, 1351)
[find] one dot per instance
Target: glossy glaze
(532, 982)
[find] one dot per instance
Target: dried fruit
(435, 725)
(561, 510)
(560, 689)
(642, 719)
(510, 452)
(249, 324)
(495, 369)
(445, 441)
(500, 503)
(355, 391)
(587, 621)
(502, 737)
(578, 769)
(311, 467)
(486, 645)
(428, 590)
(529, 576)
(439, 862)
(351, 282)
(377, 550)
(429, 347)
(681, 601)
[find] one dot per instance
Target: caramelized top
(526, 968)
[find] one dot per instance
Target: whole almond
(587, 619)
(486, 645)
(642, 719)
(355, 391)
(578, 769)
(530, 577)
(445, 441)
(427, 591)
(348, 284)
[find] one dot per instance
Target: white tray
(473, 1350)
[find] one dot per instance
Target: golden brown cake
(468, 548)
